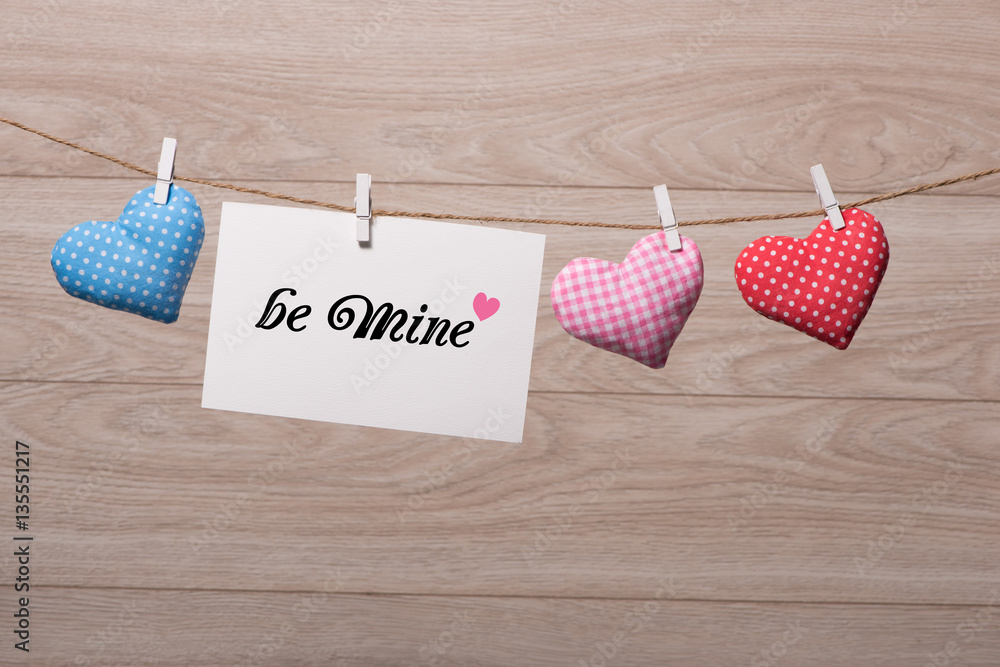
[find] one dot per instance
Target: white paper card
(428, 328)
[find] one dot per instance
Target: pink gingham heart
(636, 308)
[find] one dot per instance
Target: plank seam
(488, 596)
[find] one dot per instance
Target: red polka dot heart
(822, 285)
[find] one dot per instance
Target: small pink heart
(485, 307)
(635, 308)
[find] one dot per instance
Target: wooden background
(783, 503)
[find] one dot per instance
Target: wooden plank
(127, 627)
(770, 480)
(930, 333)
(518, 92)
(743, 499)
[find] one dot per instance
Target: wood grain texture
(694, 94)
(760, 499)
(930, 333)
(769, 479)
(128, 627)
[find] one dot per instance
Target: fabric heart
(140, 264)
(823, 285)
(636, 308)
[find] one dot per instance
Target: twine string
(535, 221)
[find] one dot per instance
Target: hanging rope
(490, 218)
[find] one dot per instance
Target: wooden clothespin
(826, 197)
(165, 171)
(363, 207)
(667, 218)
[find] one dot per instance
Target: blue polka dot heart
(141, 263)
